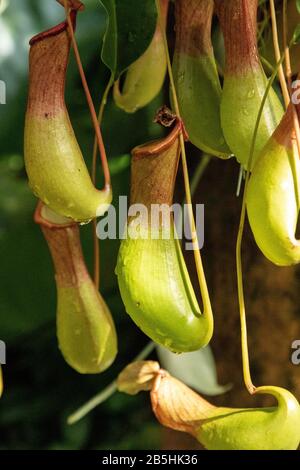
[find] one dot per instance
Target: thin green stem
(207, 310)
(107, 392)
(262, 26)
(89, 100)
(267, 64)
(288, 72)
(100, 119)
(244, 340)
(96, 244)
(98, 141)
(277, 53)
(197, 175)
(93, 403)
(199, 171)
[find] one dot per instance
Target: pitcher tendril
(284, 88)
(198, 260)
(89, 100)
(244, 341)
(96, 243)
(288, 72)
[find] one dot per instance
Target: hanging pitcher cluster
(219, 117)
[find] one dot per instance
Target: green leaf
(119, 164)
(298, 5)
(197, 369)
(130, 28)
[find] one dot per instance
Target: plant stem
(288, 72)
(100, 119)
(283, 85)
(197, 175)
(241, 298)
(96, 243)
(267, 64)
(263, 24)
(288, 69)
(207, 310)
(286, 90)
(107, 392)
(89, 101)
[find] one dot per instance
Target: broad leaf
(196, 369)
(130, 28)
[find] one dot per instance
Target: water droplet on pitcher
(35, 189)
(85, 222)
(181, 77)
